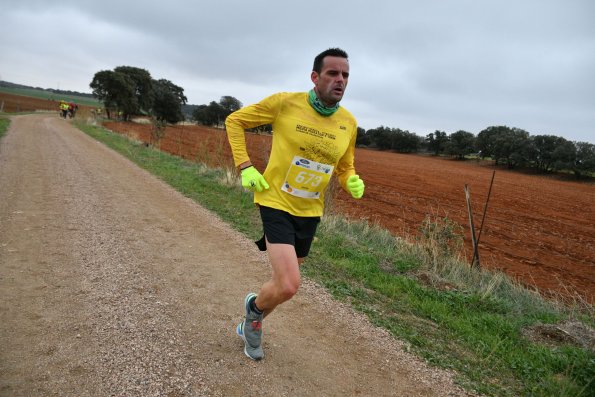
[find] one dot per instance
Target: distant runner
(63, 109)
(72, 108)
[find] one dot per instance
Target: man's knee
(288, 292)
(288, 289)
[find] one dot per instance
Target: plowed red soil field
(539, 230)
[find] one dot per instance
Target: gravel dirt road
(112, 283)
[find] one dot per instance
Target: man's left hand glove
(253, 180)
(355, 186)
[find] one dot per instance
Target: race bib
(306, 178)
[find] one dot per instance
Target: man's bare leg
(283, 285)
(285, 277)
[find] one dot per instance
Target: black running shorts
(281, 227)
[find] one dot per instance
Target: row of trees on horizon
(512, 147)
(132, 91)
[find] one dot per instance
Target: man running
(313, 137)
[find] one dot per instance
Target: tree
(385, 138)
(381, 137)
(215, 113)
(436, 142)
(585, 159)
(363, 138)
(542, 153)
(550, 152)
(564, 155)
(510, 145)
(460, 143)
(168, 99)
(199, 114)
(142, 88)
(114, 89)
(230, 104)
(127, 88)
(487, 140)
(102, 87)
(404, 141)
(210, 115)
(514, 147)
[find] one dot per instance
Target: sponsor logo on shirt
(314, 132)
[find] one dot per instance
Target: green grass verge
(473, 327)
(460, 319)
(4, 123)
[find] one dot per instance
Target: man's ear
(314, 76)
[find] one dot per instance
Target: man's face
(330, 84)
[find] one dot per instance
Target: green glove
(355, 186)
(253, 180)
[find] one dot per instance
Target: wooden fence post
(475, 261)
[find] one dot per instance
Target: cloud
(418, 66)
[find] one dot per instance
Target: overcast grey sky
(416, 65)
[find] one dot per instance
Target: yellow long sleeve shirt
(306, 149)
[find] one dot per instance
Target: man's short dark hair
(332, 52)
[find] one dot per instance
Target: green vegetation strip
(4, 123)
(52, 96)
(453, 316)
